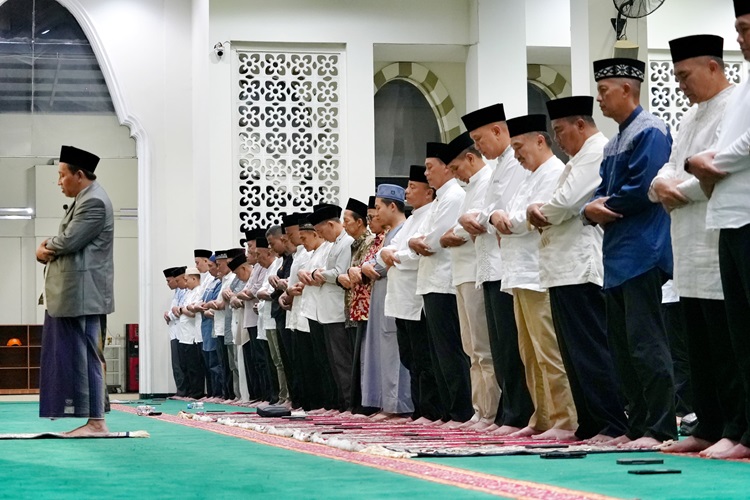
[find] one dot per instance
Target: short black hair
(589, 120)
(89, 175)
(274, 230)
(399, 204)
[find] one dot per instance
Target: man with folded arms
(554, 413)
(637, 253)
(488, 130)
(570, 267)
(714, 374)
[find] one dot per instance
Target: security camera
(219, 49)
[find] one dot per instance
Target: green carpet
(599, 473)
(181, 462)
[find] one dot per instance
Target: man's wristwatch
(686, 165)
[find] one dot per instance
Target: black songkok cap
(527, 123)
(741, 7)
(199, 252)
(304, 225)
(324, 213)
(321, 205)
(696, 46)
(261, 242)
(254, 233)
(168, 272)
(578, 105)
(290, 220)
(178, 271)
(483, 116)
(434, 149)
(220, 254)
(619, 67)
(78, 158)
(357, 207)
(371, 201)
(237, 261)
(416, 173)
(234, 252)
(456, 147)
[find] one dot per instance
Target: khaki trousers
(475, 339)
(540, 353)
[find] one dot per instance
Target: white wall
(675, 19)
(548, 23)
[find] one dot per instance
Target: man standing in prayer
(554, 413)
(637, 253)
(724, 173)
(72, 364)
(435, 285)
(570, 267)
(489, 131)
(403, 303)
(172, 324)
(385, 381)
(469, 166)
(330, 312)
(699, 68)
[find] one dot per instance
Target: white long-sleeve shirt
(570, 253)
(695, 248)
(294, 318)
(506, 178)
(401, 298)
(464, 257)
(434, 274)
(311, 294)
(729, 206)
(520, 250)
(265, 321)
(189, 329)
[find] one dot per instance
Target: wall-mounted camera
(219, 50)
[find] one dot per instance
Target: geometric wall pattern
(288, 133)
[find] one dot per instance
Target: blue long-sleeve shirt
(640, 240)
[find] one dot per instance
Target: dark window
(404, 122)
(46, 62)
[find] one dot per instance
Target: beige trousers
(273, 345)
(540, 353)
(475, 339)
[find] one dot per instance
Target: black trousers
(340, 355)
(286, 348)
(251, 377)
(324, 393)
(260, 366)
(640, 350)
(227, 386)
(714, 372)
(734, 249)
(206, 369)
(304, 367)
(674, 323)
(580, 319)
(414, 350)
(179, 376)
(515, 408)
(449, 360)
(190, 361)
(214, 369)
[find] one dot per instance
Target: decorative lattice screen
(288, 122)
(667, 101)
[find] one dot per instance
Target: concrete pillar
(496, 62)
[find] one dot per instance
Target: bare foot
(347, 413)
(452, 424)
(480, 426)
(525, 432)
(643, 443)
(93, 427)
(422, 421)
(617, 441)
(505, 430)
(599, 439)
(557, 435)
(726, 449)
(436, 423)
(379, 417)
(691, 444)
(491, 428)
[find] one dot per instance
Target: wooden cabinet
(19, 365)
